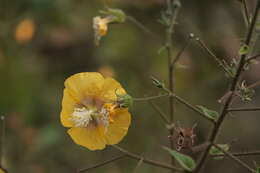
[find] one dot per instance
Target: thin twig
(102, 164)
(187, 104)
(242, 154)
(191, 36)
(150, 98)
(207, 49)
(138, 165)
(160, 113)
(237, 160)
(246, 12)
(142, 27)
(224, 111)
(243, 109)
(148, 161)
(253, 57)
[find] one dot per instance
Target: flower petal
(111, 89)
(119, 127)
(68, 105)
(84, 84)
(91, 138)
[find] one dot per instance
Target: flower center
(83, 117)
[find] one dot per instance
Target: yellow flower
(90, 110)
(100, 26)
(2, 171)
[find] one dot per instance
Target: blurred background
(42, 42)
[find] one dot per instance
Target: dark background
(32, 73)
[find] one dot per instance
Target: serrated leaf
(243, 49)
(185, 161)
(209, 113)
(215, 151)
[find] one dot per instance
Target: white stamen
(81, 116)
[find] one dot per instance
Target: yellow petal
(91, 138)
(84, 84)
(2, 171)
(110, 88)
(68, 105)
(118, 127)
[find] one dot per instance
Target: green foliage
(185, 161)
(215, 151)
(117, 14)
(244, 49)
(209, 113)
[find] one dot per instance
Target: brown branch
(148, 161)
(102, 164)
(246, 12)
(216, 128)
(242, 154)
(253, 57)
(243, 109)
(234, 158)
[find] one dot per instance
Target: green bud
(157, 83)
(116, 15)
(124, 101)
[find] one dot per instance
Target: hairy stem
(172, 10)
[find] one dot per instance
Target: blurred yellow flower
(106, 71)
(25, 31)
(2, 171)
(90, 110)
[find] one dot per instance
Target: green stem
(172, 10)
(101, 164)
(148, 161)
(149, 98)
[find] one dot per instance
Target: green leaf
(215, 151)
(257, 167)
(185, 161)
(161, 50)
(119, 15)
(209, 113)
(243, 49)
